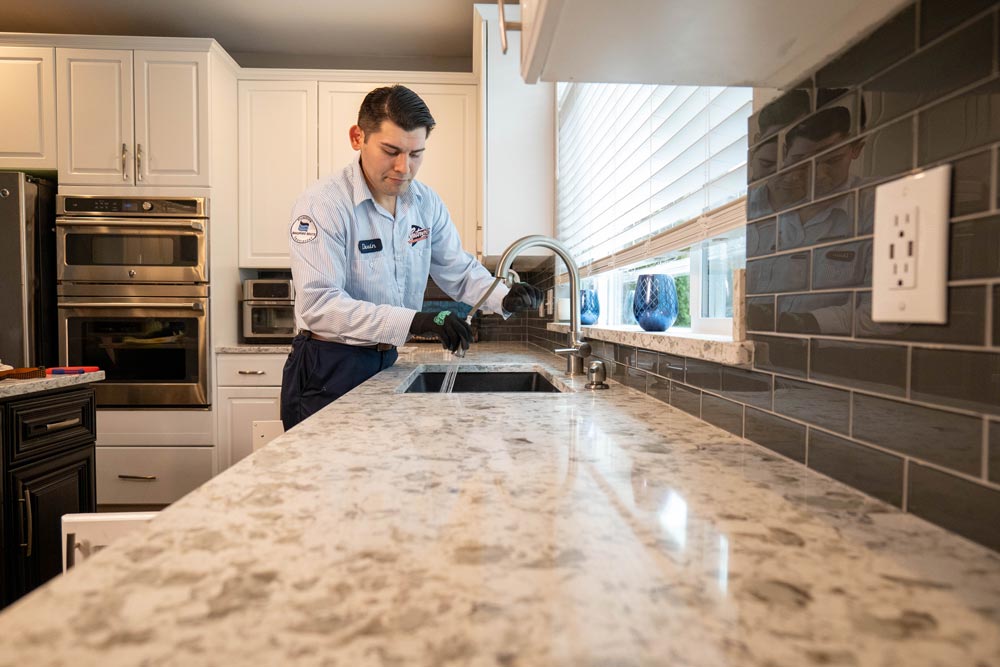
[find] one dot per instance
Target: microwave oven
(267, 311)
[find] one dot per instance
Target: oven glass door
(130, 251)
(268, 319)
(153, 351)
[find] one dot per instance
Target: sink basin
(483, 382)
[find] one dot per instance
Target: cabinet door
(277, 154)
(28, 118)
(94, 109)
(38, 496)
(171, 118)
(239, 407)
(449, 165)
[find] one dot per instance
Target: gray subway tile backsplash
(842, 265)
(787, 189)
(761, 237)
(959, 124)
(778, 114)
(760, 313)
(727, 415)
(970, 184)
(685, 398)
(876, 156)
(670, 366)
(939, 16)
(827, 127)
(658, 388)
(777, 434)
(975, 246)
(945, 438)
(892, 42)
(822, 222)
(789, 356)
(960, 378)
(762, 160)
(879, 368)
(781, 273)
(956, 504)
(813, 403)
(996, 315)
(993, 472)
(965, 326)
(876, 473)
(827, 313)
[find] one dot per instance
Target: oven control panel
(174, 207)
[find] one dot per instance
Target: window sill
(720, 349)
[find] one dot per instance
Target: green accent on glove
(441, 317)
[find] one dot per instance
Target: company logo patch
(303, 229)
(418, 234)
(370, 245)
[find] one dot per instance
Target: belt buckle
(383, 347)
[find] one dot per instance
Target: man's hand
(452, 331)
(522, 296)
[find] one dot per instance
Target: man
(363, 242)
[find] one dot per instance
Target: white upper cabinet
(277, 157)
(28, 118)
(517, 140)
(121, 124)
(710, 42)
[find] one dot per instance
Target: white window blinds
(637, 160)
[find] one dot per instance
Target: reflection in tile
(761, 237)
(875, 156)
(646, 360)
(824, 129)
(994, 452)
(939, 16)
(762, 160)
(685, 398)
(826, 95)
(959, 60)
(955, 504)
(975, 248)
(704, 374)
(969, 380)
(760, 313)
(813, 403)
(787, 189)
(658, 388)
(782, 273)
(959, 124)
(780, 113)
(889, 44)
(828, 220)
(970, 184)
(777, 434)
(781, 355)
(746, 386)
(825, 313)
(626, 355)
(966, 320)
(670, 366)
(879, 368)
(996, 316)
(727, 415)
(944, 438)
(633, 378)
(876, 473)
(866, 211)
(843, 265)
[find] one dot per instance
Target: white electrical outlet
(910, 249)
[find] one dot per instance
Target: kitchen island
(574, 528)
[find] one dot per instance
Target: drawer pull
(66, 423)
(139, 478)
(252, 372)
(29, 521)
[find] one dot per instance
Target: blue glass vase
(655, 302)
(590, 308)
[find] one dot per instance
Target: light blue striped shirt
(360, 274)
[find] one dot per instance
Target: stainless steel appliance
(27, 271)
(268, 309)
(133, 297)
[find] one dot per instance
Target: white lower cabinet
(249, 391)
(150, 475)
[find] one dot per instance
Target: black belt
(381, 347)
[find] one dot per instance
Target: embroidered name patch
(370, 245)
(303, 229)
(418, 234)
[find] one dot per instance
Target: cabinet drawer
(256, 370)
(150, 475)
(43, 424)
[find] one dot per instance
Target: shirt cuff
(396, 327)
(495, 302)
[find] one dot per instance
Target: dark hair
(822, 125)
(793, 104)
(396, 103)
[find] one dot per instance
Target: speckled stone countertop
(561, 529)
(10, 388)
(253, 349)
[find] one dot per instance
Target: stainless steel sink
(500, 381)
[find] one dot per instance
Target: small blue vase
(590, 308)
(655, 302)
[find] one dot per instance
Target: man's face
(390, 157)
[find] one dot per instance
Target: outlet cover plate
(910, 248)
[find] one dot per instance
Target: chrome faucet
(577, 350)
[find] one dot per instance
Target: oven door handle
(116, 304)
(151, 224)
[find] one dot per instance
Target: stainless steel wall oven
(133, 297)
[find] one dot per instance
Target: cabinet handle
(505, 26)
(124, 162)
(251, 372)
(138, 162)
(139, 478)
(27, 503)
(66, 423)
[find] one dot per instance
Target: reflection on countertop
(575, 528)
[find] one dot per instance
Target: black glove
(451, 330)
(522, 296)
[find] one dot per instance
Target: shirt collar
(361, 191)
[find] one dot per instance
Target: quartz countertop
(10, 388)
(247, 348)
(576, 528)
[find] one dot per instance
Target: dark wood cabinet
(48, 471)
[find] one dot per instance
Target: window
(649, 181)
